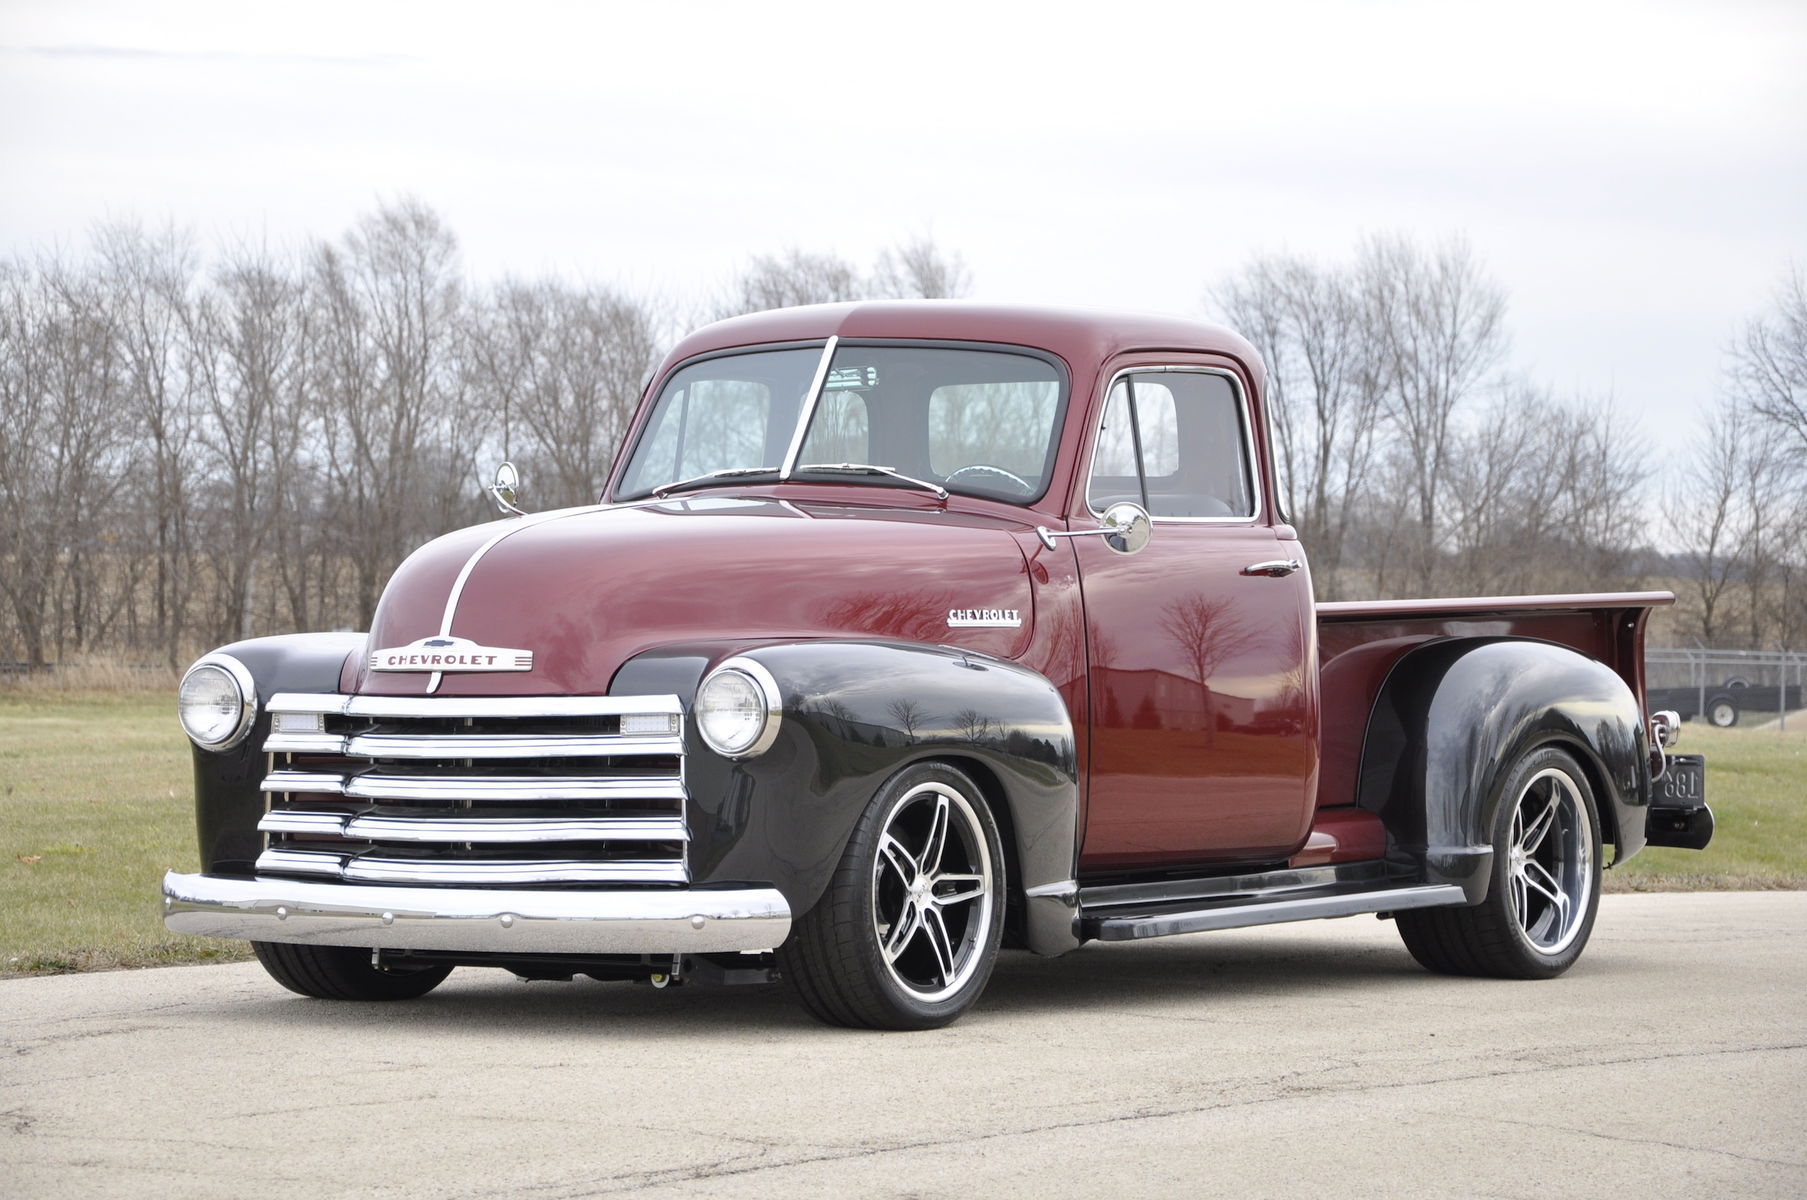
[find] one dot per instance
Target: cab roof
(1082, 336)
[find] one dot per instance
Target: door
(1203, 690)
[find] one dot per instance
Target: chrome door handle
(1277, 569)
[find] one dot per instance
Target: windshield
(983, 422)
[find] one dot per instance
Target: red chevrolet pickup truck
(904, 633)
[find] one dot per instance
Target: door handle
(1277, 569)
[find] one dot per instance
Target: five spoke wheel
(932, 891)
(1550, 860)
(906, 934)
(1544, 887)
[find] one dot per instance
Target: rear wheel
(1722, 712)
(907, 933)
(1545, 885)
(344, 973)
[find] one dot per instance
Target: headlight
(737, 709)
(217, 702)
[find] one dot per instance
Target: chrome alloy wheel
(1549, 868)
(932, 891)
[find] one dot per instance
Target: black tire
(344, 973)
(898, 942)
(1722, 712)
(1544, 889)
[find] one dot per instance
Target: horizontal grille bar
(526, 788)
(486, 872)
(473, 745)
(472, 706)
(476, 830)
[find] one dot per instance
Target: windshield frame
(830, 346)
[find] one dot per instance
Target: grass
(95, 804)
(1757, 786)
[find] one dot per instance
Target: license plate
(1684, 783)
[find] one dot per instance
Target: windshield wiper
(666, 489)
(869, 469)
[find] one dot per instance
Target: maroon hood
(584, 590)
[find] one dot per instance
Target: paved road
(1311, 1060)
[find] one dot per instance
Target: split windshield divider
(809, 409)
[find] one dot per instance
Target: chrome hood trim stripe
(470, 565)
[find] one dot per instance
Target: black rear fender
(1454, 716)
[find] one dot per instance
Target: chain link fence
(1728, 687)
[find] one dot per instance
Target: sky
(1633, 174)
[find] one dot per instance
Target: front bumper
(482, 920)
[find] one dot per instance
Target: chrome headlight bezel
(240, 677)
(734, 672)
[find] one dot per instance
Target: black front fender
(228, 786)
(854, 713)
(1454, 716)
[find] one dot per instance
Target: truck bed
(1360, 641)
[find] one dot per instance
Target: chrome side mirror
(1125, 527)
(505, 489)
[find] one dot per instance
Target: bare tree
(61, 452)
(909, 716)
(918, 269)
(246, 362)
(1769, 363)
(1325, 387)
(147, 278)
(386, 308)
(1206, 631)
(1711, 507)
(1440, 321)
(790, 278)
(564, 367)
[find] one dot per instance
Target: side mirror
(1125, 528)
(505, 489)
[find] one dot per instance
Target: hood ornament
(505, 490)
(448, 654)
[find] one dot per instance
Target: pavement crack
(1640, 1141)
(734, 1165)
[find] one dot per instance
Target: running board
(1130, 926)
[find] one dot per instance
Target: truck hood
(584, 590)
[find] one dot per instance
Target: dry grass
(91, 676)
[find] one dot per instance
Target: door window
(1193, 447)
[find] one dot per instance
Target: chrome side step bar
(1120, 926)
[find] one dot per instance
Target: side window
(1194, 453)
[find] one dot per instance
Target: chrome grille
(502, 792)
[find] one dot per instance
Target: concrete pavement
(1308, 1060)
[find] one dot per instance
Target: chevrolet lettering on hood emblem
(450, 654)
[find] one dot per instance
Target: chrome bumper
(477, 919)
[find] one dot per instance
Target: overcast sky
(1634, 174)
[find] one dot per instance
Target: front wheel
(344, 973)
(907, 933)
(1545, 884)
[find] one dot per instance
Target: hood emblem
(450, 654)
(984, 618)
